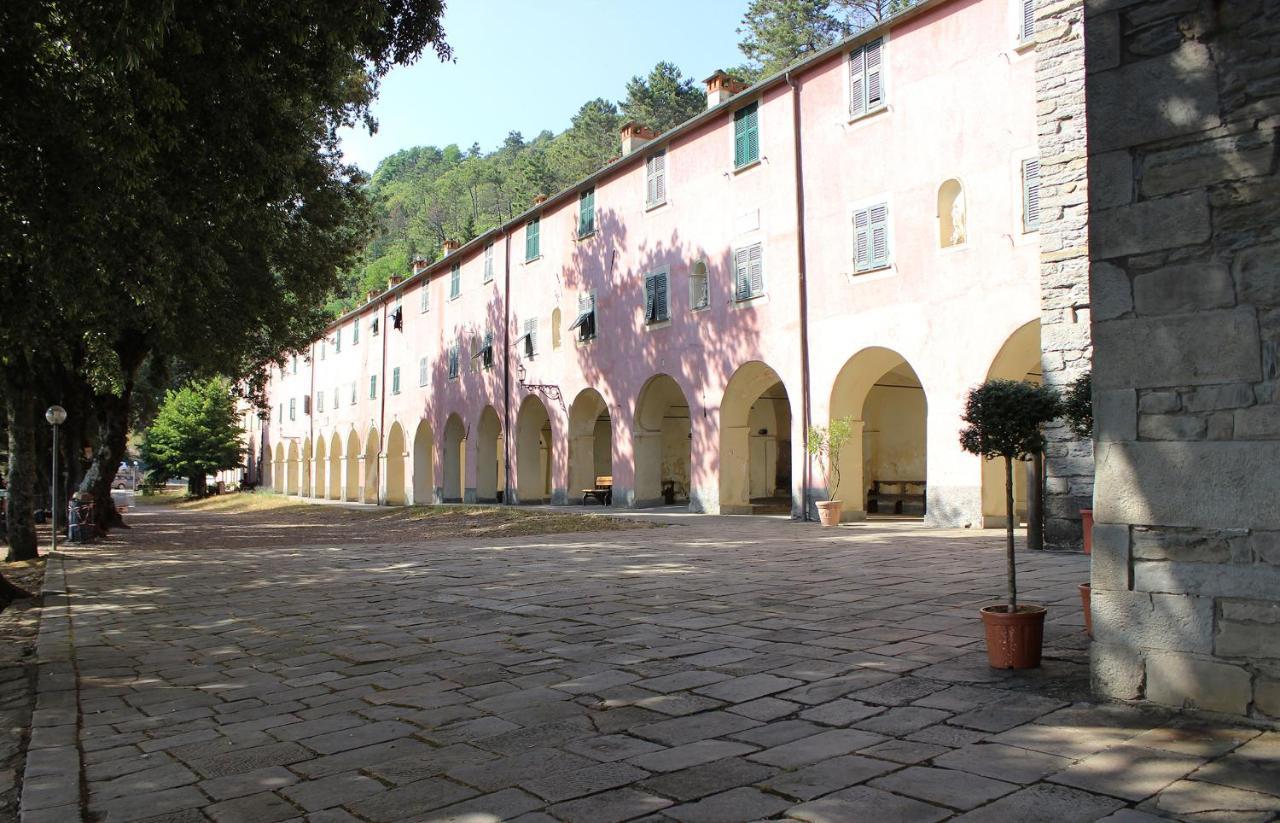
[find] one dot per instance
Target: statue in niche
(958, 229)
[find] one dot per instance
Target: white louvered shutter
(857, 90)
(1031, 193)
(861, 240)
(1027, 25)
(875, 74)
(660, 294)
(756, 269)
(741, 274)
(879, 218)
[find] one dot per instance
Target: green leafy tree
(778, 33)
(664, 99)
(1003, 420)
(590, 142)
(824, 444)
(1077, 406)
(196, 432)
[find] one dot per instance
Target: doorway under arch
(424, 478)
(590, 441)
(490, 474)
(455, 459)
(755, 442)
(396, 450)
(883, 469)
(533, 452)
(662, 444)
(292, 467)
(1018, 359)
(277, 469)
(304, 471)
(353, 467)
(372, 445)
(335, 467)
(322, 464)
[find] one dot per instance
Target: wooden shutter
(746, 135)
(755, 267)
(660, 294)
(879, 219)
(875, 74)
(426, 297)
(656, 178)
(488, 262)
(586, 212)
(857, 86)
(861, 240)
(1031, 193)
(742, 274)
(531, 331)
(531, 239)
(1027, 26)
(649, 297)
(455, 281)
(422, 371)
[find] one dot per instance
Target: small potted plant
(824, 444)
(1004, 419)
(1077, 408)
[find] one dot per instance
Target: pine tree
(662, 100)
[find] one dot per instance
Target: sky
(528, 65)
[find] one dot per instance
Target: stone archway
(292, 467)
(1018, 359)
(662, 444)
(304, 472)
(533, 452)
(335, 467)
(884, 467)
(397, 449)
(424, 478)
(490, 473)
(321, 462)
(352, 492)
(755, 442)
(590, 442)
(369, 459)
(455, 457)
(277, 469)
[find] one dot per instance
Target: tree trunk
(113, 432)
(21, 411)
(9, 593)
(1008, 535)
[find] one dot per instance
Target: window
(355, 333)
(293, 408)
(395, 380)
(748, 272)
(488, 262)
(532, 248)
(373, 387)
(482, 351)
(320, 402)
(425, 298)
(353, 392)
(397, 317)
(655, 297)
(306, 404)
(586, 213)
(1031, 194)
(699, 288)
(324, 345)
(528, 342)
(337, 397)
(746, 135)
(373, 326)
(280, 414)
(422, 372)
(866, 78)
(453, 361)
(1026, 20)
(871, 237)
(295, 364)
(655, 175)
(455, 282)
(586, 320)
(337, 342)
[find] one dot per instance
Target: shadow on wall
(660, 374)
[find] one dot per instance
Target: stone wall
(1183, 104)
(1064, 262)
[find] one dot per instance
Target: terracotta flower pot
(1086, 520)
(1085, 591)
(829, 512)
(1014, 640)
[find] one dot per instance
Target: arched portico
(369, 461)
(352, 491)
(320, 488)
(304, 475)
(883, 468)
(661, 444)
(424, 478)
(533, 452)
(292, 467)
(1018, 359)
(755, 442)
(490, 473)
(335, 467)
(590, 442)
(277, 469)
(396, 453)
(455, 457)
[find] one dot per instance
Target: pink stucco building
(855, 237)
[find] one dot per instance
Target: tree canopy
(195, 432)
(779, 33)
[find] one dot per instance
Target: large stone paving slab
(713, 669)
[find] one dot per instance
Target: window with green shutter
(748, 272)
(655, 172)
(532, 248)
(395, 380)
(656, 307)
(587, 213)
(1031, 194)
(866, 78)
(746, 135)
(871, 238)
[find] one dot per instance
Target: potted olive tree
(1077, 408)
(824, 444)
(1004, 419)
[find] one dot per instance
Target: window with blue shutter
(656, 308)
(532, 248)
(587, 213)
(488, 262)
(871, 238)
(748, 272)
(655, 173)
(455, 282)
(746, 135)
(866, 78)
(395, 380)
(1031, 194)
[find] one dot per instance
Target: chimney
(418, 263)
(539, 200)
(634, 136)
(394, 280)
(448, 247)
(721, 86)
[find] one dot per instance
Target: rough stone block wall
(1183, 106)
(1064, 261)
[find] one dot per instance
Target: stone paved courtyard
(228, 668)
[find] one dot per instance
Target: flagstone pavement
(713, 669)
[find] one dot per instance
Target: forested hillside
(425, 195)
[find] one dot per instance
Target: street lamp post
(56, 415)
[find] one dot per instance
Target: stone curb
(51, 786)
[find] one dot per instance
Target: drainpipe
(506, 368)
(802, 285)
(382, 399)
